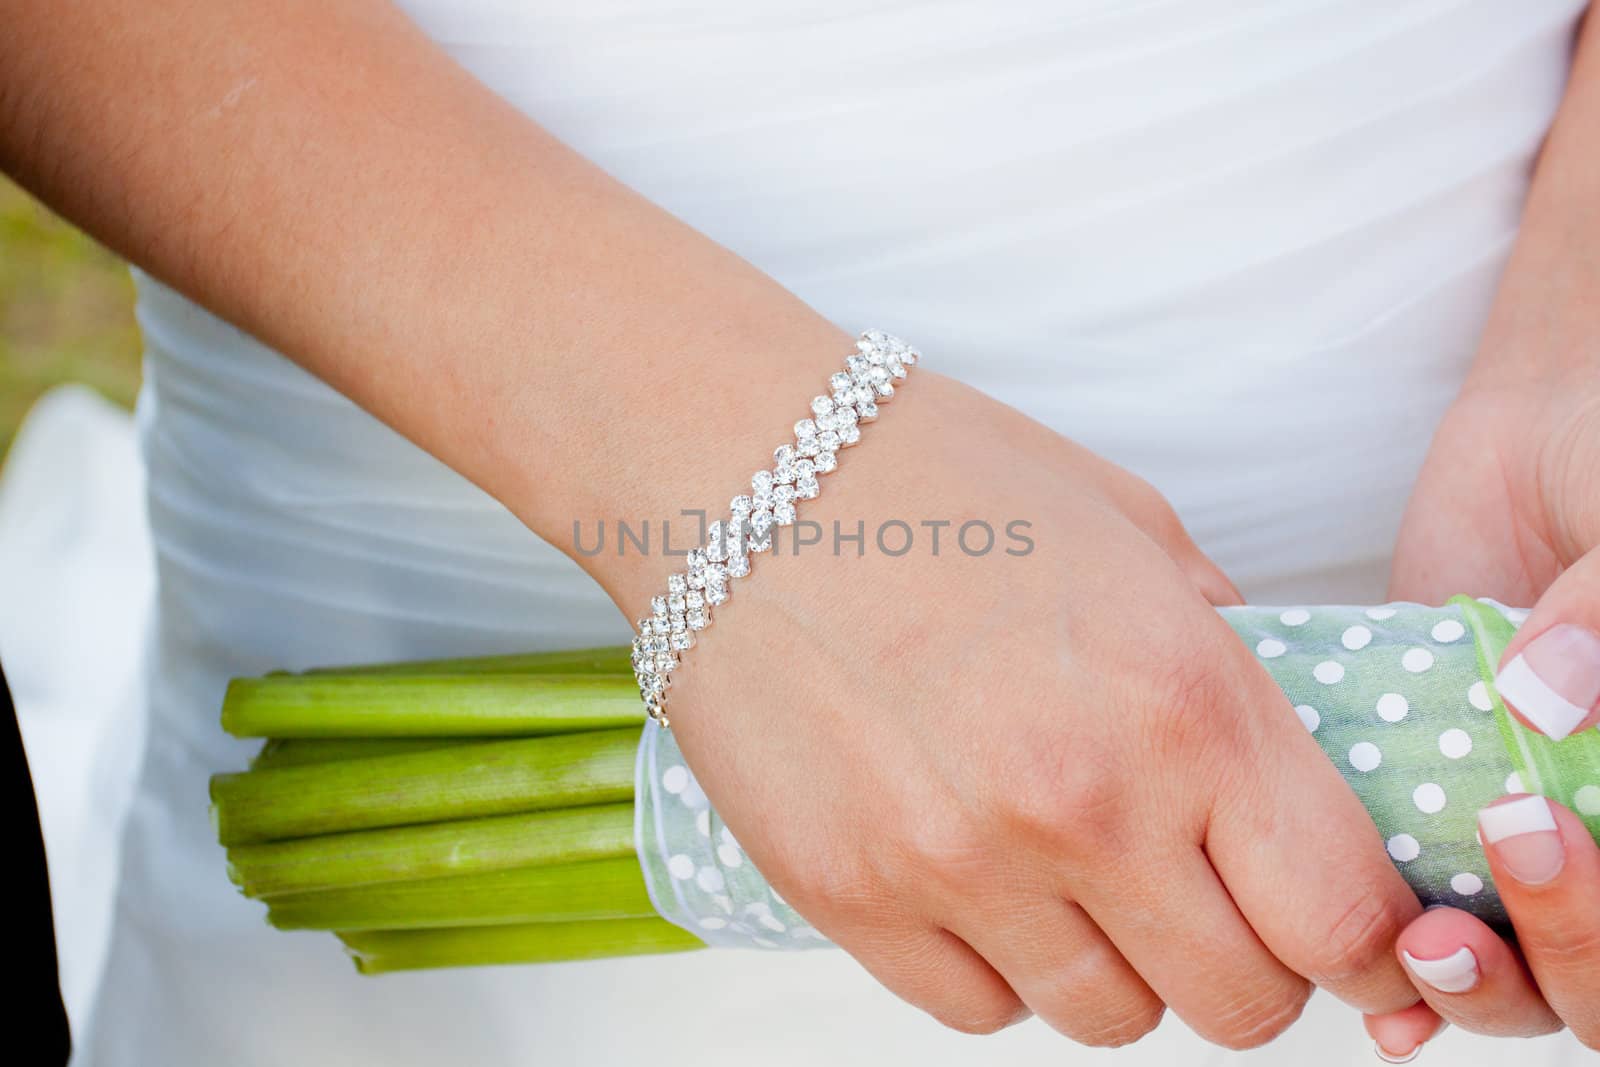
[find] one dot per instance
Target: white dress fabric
(1243, 247)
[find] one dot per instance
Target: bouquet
(510, 810)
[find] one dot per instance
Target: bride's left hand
(1508, 505)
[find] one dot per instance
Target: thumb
(1549, 676)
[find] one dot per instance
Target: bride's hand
(1509, 505)
(1052, 781)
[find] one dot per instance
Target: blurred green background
(66, 312)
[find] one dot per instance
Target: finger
(1290, 829)
(1469, 975)
(938, 972)
(1066, 970)
(1550, 673)
(1547, 869)
(1182, 933)
(1398, 1036)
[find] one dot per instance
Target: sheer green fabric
(1400, 697)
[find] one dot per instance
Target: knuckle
(1185, 702)
(1255, 1020)
(968, 1019)
(1359, 939)
(1120, 1025)
(1067, 799)
(1563, 948)
(831, 885)
(1095, 999)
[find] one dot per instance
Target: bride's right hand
(1052, 781)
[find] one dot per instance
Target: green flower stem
(384, 951)
(412, 853)
(467, 781)
(603, 661)
(601, 889)
(433, 705)
(303, 751)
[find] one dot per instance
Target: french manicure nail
(1524, 836)
(1395, 1057)
(1555, 680)
(1455, 973)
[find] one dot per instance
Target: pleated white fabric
(1243, 247)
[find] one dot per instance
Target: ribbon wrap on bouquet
(1400, 697)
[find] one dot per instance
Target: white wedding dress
(1243, 247)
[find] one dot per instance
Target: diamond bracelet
(868, 379)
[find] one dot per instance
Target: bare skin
(1508, 505)
(1051, 783)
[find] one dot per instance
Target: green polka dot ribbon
(1400, 696)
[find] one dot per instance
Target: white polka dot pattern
(1392, 694)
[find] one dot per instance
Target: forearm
(322, 176)
(1546, 318)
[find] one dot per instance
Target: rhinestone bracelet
(868, 379)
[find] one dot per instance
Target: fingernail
(1555, 681)
(1524, 836)
(1395, 1057)
(1455, 973)
(1416, 1050)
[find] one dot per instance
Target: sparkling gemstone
(826, 462)
(896, 368)
(840, 380)
(878, 374)
(861, 394)
(683, 641)
(658, 643)
(665, 662)
(677, 623)
(761, 537)
(761, 482)
(806, 488)
(884, 390)
(809, 446)
(676, 583)
(805, 467)
(659, 624)
(716, 547)
(784, 475)
(782, 454)
(821, 405)
(695, 561)
(761, 501)
(867, 412)
(658, 605)
(846, 417)
(850, 435)
(738, 566)
(760, 522)
(675, 603)
(805, 428)
(829, 440)
(716, 575)
(739, 505)
(695, 599)
(876, 357)
(783, 514)
(717, 595)
(697, 579)
(842, 399)
(876, 337)
(910, 356)
(857, 365)
(782, 494)
(697, 620)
